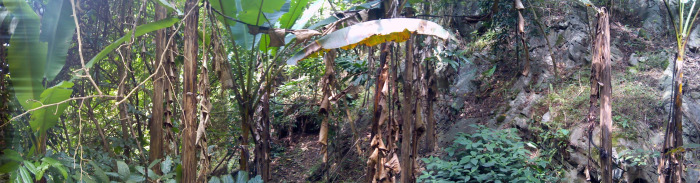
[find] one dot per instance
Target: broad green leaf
(26, 178)
(273, 17)
(30, 166)
(136, 178)
(295, 10)
(45, 118)
(99, 172)
(242, 37)
(214, 180)
(372, 33)
(123, 170)
(267, 6)
(226, 7)
(140, 30)
(9, 167)
(57, 29)
(256, 179)
(41, 169)
(242, 176)
(12, 155)
(308, 13)
(26, 55)
(165, 165)
(227, 179)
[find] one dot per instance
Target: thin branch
(58, 103)
(80, 50)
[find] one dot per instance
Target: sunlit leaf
(45, 118)
(26, 53)
(372, 33)
(57, 29)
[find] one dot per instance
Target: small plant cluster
(487, 155)
(639, 157)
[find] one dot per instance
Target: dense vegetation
(246, 90)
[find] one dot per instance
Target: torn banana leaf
(372, 33)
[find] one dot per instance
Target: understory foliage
(488, 155)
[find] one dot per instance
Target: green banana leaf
(240, 35)
(45, 118)
(26, 53)
(308, 13)
(57, 29)
(273, 17)
(372, 33)
(295, 10)
(140, 30)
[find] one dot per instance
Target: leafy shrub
(488, 155)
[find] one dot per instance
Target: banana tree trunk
(671, 164)
(156, 125)
(407, 114)
(189, 159)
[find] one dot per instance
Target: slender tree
(156, 123)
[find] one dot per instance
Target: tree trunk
(407, 115)
(121, 92)
(601, 55)
(189, 159)
(327, 83)
(156, 125)
(246, 121)
(378, 108)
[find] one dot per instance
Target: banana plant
(671, 165)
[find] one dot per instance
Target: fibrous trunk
(156, 125)
(671, 164)
(189, 161)
(408, 109)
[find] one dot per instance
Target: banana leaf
(57, 29)
(372, 33)
(45, 118)
(26, 53)
(140, 30)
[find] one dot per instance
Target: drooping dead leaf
(374, 158)
(276, 37)
(394, 164)
(304, 35)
